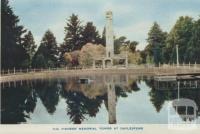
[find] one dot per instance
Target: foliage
(90, 34)
(194, 44)
(47, 53)
(118, 43)
(134, 58)
(185, 33)
(156, 41)
(12, 52)
(103, 38)
(89, 52)
(133, 45)
(72, 40)
(39, 61)
(71, 58)
(18, 49)
(29, 45)
(180, 35)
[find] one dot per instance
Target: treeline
(161, 46)
(19, 50)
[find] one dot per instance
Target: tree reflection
(16, 104)
(134, 86)
(158, 97)
(93, 106)
(79, 106)
(48, 92)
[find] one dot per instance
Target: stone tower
(109, 34)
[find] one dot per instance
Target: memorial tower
(109, 34)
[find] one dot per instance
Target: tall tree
(30, 46)
(180, 35)
(90, 34)
(12, 52)
(47, 54)
(156, 41)
(193, 48)
(72, 40)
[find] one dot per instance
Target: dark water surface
(122, 99)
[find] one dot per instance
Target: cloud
(132, 18)
(58, 30)
(135, 32)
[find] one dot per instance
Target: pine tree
(72, 40)
(156, 41)
(12, 52)
(29, 46)
(47, 51)
(90, 34)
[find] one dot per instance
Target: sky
(131, 18)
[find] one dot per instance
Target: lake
(96, 99)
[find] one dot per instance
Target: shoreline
(87, 72)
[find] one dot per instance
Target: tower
(111, 103)
(109, 34)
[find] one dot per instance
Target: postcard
(100, 66)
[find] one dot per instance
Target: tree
(72, 40)
(194, 44)
(90, 34)
(103, 38)
(180, 35)
(133, 46)
(156, 41)
(12, 52)
(47, 52)
(134, 58)
(29, 46)
(71, 58)
(118, 42)
(89, 52)
(39, 61)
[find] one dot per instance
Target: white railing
(131, 66)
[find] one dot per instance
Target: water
(122, 99)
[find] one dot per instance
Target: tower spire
(109, 34)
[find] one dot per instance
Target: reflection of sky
(136, 108)
(139, 109)
(132, 18)
(41, 115)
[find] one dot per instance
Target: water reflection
(183, 94)
(16, 104)
(85, 100)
